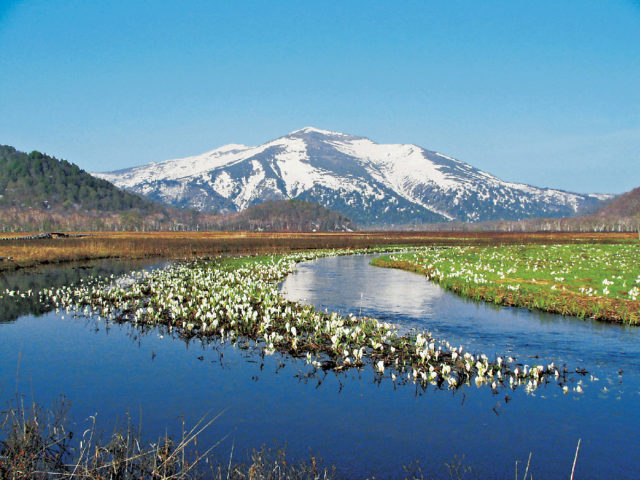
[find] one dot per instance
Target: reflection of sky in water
(349, 289)
(363, 428)
(350, 284)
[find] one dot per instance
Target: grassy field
(586, 280)
(182, 245)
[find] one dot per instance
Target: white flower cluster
(239, 299)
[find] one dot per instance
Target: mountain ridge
(370, 183)
(39, 192)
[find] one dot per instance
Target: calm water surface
(361, 426)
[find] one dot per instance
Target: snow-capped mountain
(369, 182)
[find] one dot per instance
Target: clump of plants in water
(597, 281)
(237, 299)
(38, 445)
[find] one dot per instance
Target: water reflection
(352, 420)
(351, 285)
(344, 286)
(53, 276)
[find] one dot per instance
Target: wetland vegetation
(237, 299)
(36, 444)
(596, 281)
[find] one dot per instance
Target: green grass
(592, 280)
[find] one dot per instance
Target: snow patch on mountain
(224, 184)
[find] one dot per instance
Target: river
(362, 426)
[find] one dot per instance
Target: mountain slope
(36, 180)
(372, 184)
(620, 214)
(624, 206)
(41, 193)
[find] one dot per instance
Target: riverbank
(19, 253)
(593, 280)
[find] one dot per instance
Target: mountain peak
(371, 183)
(319, 131)
(232, 147)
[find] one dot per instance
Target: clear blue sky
(546, 93)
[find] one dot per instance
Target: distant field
(601, 281)
(177, 245)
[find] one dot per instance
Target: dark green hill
(286, 215)
(36, 180)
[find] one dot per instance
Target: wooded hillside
(36, 180)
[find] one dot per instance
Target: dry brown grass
(181, 245)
